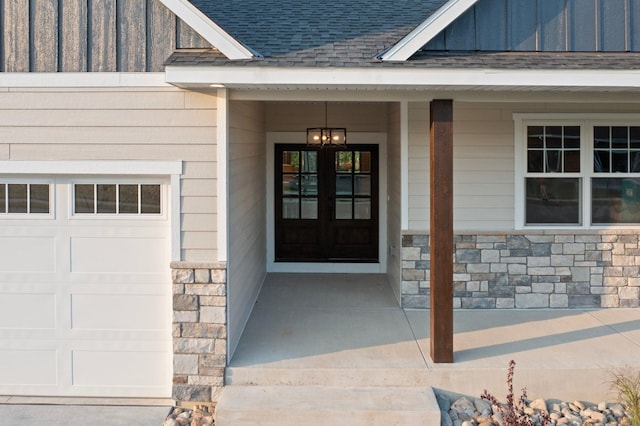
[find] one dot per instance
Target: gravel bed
(186, 417)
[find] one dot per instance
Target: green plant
(627, 383)
(513, 412)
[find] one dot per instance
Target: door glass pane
(309, 208)
(290, 161)
(343, 208)
(309, 184)
(290, 208)
(106, 195)
(3, 198)
(344, 162)
(310, 161)
(17, 198)
(39, 198)
(363, 185)
(363, 162)
(343, 185)
(290, 184)
(83, 199)
(553, 200)
(150, 199)
(615, 200)
(128, 199)
(362, 208)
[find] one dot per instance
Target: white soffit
(427, 30)
(209, 30)
(414, 78)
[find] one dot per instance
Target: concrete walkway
(50, 411)
(347, 330)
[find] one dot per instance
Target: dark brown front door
(326, 204)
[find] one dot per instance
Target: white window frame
(13, 180)
(586, 122)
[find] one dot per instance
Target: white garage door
(85, 292)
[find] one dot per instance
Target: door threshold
(327, 267)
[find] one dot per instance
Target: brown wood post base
(441, 239)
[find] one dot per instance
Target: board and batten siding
(247, 211)
(90, 35)
(544, 25)
(124, 124)
(484, 163)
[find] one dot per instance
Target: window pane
(290, 207)
(3, 198)
(39, 198)
(363, 185)
(601, 137)
(553, 200)
(343, 162)
(619, 137)
(535, 161)
(615, 200)
(535, 137)
(634, 137)
(128, 200)
(343, 185)
(572, 137)
(150, 199)
(309, 185)
(83, 199)
(290, 161)
(310, 161)
(362, 208)
(619, 161)
(343, 208)
(634, 157)
(572, 161)
(17, 198)
(363, 162)
(290, 184)
(554, 161)
(553, 137)
(106, 195)
(601, 163)
(309, 208)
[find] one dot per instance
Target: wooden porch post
(441, 240)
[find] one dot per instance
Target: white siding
(247, 213)
(394, 204)
(483, 160)
(124, 124)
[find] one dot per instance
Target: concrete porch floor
(334, 327)
(346, 331)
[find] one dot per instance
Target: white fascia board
(81, 167)
(209, 30)
(427, 30)
(82, 79)
(185, 76)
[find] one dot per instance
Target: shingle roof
(286, 28)
(323, 56)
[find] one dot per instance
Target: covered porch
(310, 333)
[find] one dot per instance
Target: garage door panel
(130, 255)
(120, 368)
(134, 312)
(28, 254)
(27, 311)
(28, 367)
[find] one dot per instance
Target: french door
(326, 203)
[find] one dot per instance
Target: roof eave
(426, 31)
(209, 30)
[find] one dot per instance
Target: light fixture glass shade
(321, 136)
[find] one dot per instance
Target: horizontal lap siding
(90, 35)
(247, 212)
(141, 124)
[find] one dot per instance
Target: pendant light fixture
(323, 136)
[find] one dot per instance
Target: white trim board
(427, 30)
(209, 30)
(83, 79)
(238, 77)
(107, 167)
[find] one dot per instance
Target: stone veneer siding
(582, 269)
(199, 330)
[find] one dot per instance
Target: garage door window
(24, 198)
(121, 199)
